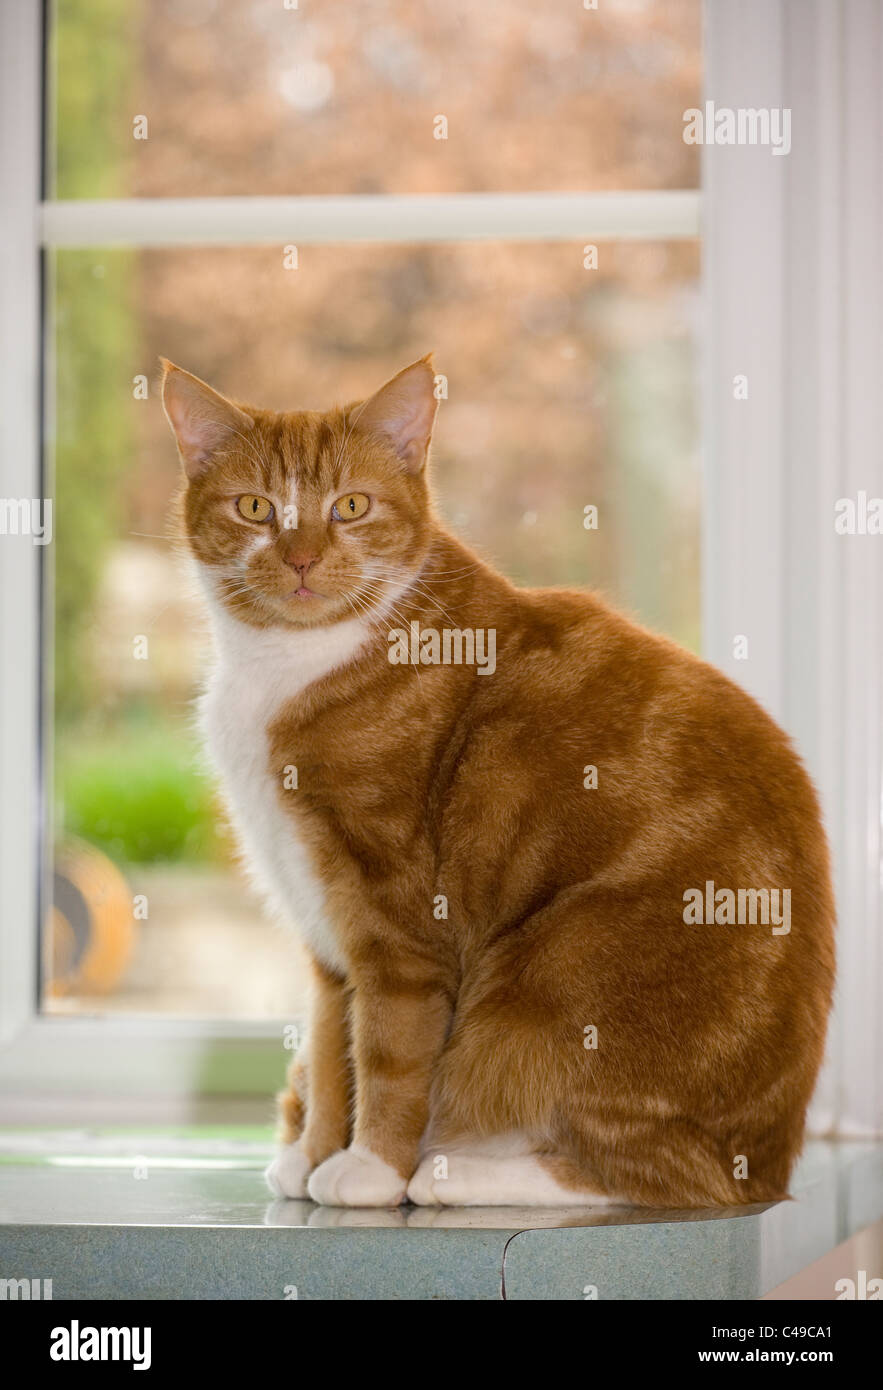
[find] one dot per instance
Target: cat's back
(614, 727)
(575, 655)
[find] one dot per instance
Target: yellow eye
(351, 505)
(254, 508)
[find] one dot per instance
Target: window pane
(247, 96)
(567, 388)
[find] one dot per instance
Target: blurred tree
(93, 317)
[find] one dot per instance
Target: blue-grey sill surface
(114, 1215)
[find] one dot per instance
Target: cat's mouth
(304, 594)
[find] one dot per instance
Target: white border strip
(391, 217)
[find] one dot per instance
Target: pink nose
(299, 561)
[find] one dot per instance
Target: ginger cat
(564, 885)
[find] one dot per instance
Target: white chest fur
(255, 673)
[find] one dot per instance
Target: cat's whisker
(374, 585)
(416, 587)
(419, 583)
(429, 597)
(374, 619)
(465, 569)
(374, 611)
(382, 598)
(426, 570)
(402, 620)
(236, 589)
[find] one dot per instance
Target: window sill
(197, 1224)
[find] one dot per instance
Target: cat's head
(305, 517)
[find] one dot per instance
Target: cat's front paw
(421, 1188)
(356, 1177)
(287, 1174)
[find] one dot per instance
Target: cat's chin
(315, 611)
(277, 611)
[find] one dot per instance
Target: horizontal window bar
(658, 216)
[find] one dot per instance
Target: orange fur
(565, 904)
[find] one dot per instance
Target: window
(190, 146)
(571, 378)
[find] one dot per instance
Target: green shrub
(138, 794)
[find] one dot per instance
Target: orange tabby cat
(564, 885)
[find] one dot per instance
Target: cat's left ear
(202, 420)
(402, 413)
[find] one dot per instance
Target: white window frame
(816, 672)
(804, 324)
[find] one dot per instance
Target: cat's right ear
(201, 419)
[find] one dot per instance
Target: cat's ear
(201, 419)
(403, 413)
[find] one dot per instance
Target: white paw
(481, 1179)
(287, 1174)
(421, 1188)
(356, 1177)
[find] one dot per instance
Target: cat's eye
(350, 506)
(254, 508)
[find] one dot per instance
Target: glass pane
(568, 388)
(403, 96)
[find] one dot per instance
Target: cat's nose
(300, 560)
